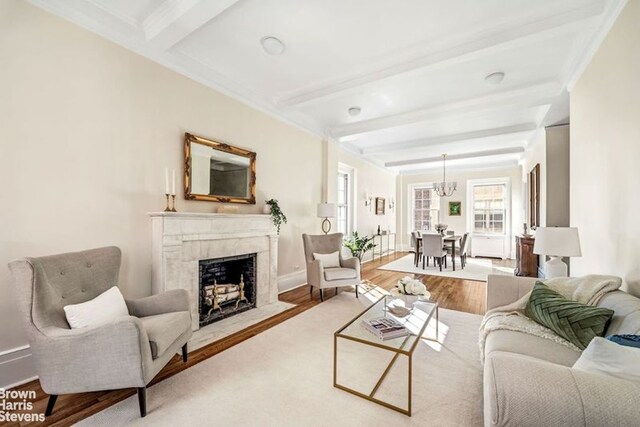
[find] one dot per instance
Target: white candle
(173, 186)
(166, 180)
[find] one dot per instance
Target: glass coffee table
(417, 321)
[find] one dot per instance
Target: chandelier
(444, 188)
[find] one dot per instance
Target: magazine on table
(385, 328)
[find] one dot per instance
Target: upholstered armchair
(321, 277)
(127, 352)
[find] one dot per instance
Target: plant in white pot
(410, 290)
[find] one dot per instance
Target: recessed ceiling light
(494, 78)
(354, 111)
(272, 45)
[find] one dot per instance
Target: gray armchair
(320, 277)
(127, 352)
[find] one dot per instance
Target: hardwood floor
(455, 294)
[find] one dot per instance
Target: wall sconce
(368, 200)
(392, 203)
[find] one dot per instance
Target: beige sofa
(528, 381)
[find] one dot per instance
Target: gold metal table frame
(375, 342)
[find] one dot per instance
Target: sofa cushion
(529, 345)
(164, 329)
(339, 273)
(576, 322)
(626, 319)
(608, 358)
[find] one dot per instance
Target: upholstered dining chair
(433, 246)
(321, 277)
(416, 249)
(125, 353)
(461, 250)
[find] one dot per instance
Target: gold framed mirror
(218, 172)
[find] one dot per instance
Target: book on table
(385, 328)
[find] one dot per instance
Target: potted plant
(359, 245)
(277, 215)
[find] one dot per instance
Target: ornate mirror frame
(221, 146)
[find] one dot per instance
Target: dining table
(454, 239)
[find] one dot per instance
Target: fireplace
(227, 287)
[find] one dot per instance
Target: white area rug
(283, 377)
(476, 268)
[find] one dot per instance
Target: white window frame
(344, 169)
(507, 203)
(412, 202)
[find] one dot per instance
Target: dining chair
(464, 244)
(416, 248)
(433, 246)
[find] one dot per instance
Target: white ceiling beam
(533, 95)
(480, 164)
(435, 55)
(474, 155)
(176, 19)
(502, 132)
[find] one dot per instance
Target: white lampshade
(557, 241)
(326, 210)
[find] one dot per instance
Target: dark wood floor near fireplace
(455, 294)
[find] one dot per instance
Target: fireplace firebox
(227, 287)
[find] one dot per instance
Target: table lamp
(557, 242)
(326, 211)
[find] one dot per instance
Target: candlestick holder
(168, 208)
(173, 200)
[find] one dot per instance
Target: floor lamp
(556, 242)
(326, 211)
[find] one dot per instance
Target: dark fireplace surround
(227, 287)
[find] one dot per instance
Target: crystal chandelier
(444, 188)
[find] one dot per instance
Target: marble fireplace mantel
(180, 240)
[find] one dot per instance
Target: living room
(208, 201)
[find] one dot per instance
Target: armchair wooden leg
(357, 296)
(310, 290)
(142, 401)
(185, 353)
(51, 404)
(321, 295)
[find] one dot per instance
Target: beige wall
(87, 129)
(459, 223)
(605, 154)
(378, 182)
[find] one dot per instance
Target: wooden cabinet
(526, 260)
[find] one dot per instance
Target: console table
(379, 240)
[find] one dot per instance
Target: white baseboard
(292, 281)
(16, 367)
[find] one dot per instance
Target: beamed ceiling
(415, 68)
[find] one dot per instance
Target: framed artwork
(534, 197)
(380, 205)
(455, 208)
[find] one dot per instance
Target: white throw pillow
(104, 308)
(608, 358)
(331, 260)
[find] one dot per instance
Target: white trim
(290, 281)
(16, 367)
(352, 188)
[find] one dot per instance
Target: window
(489, 208)
(425, 208)
(343, 203)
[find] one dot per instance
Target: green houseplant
(359, 245)
(277, 215)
